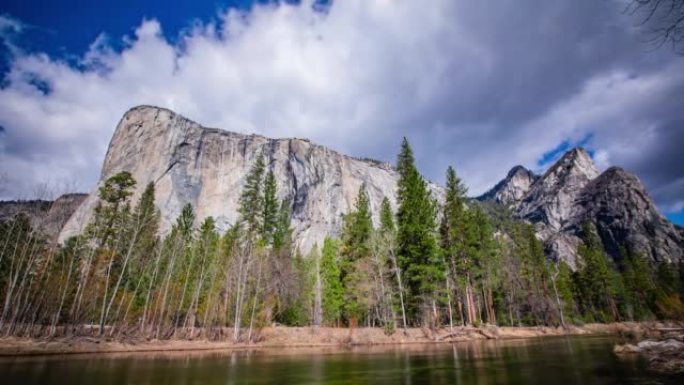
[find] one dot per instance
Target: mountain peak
(518, 170)
(512, 188)
(575, 161)
(551, 199)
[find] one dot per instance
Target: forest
(424, 264)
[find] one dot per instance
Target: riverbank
(663, 350)
(295, 337)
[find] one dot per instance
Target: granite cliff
(206, 167)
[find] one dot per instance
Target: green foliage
(252, 198)
(599, 286)
(117, 188)
(184, 223)
(270, 208)
(640, 288)
(564, 285)
(418, 254)
(386, 217)
(333, 291)
(282, 233)
(355, 251)
(298, 311)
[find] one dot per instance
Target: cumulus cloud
(476, 85)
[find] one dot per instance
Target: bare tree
(663, 19)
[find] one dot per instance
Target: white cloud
(479, 87)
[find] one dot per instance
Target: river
(548, 361)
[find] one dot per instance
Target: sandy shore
(295, 337)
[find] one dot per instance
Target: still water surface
(549, 361)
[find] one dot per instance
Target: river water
(548, 361)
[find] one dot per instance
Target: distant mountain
(573, 191)
(48, 216)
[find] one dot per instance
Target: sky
(479, 85)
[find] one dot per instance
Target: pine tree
(146, 218)
(185, 221)
(418, 254)
(117, 188)
(487, 263)
(386, 216)
(252, 198)
(356, 249)
(456, 233)
(270, 208)
(282, 233)
(640, 288)
(598, 284)
(333, 292)
(111, 213)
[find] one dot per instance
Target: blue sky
(476, 85)
(67, 27)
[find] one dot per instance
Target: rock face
(624, 215)
(551, 199)
(206, 167)
(573, 191)
(47, 216)
(512, 188)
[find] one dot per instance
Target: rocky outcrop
(664, 355)
(625, 216)
(512, 188)
(206, 167)
(615, 202)
(551, 199)
(46, 216)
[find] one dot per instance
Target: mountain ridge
(572, 191)
(205, 167)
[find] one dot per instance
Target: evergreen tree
(598, 285)
(667, 277)
(146, 218)
(356, 248)
(458, 239)
(117, 188)
(386, 216)
(282, 233)
(252, 198)
(111, 213)
(640, 289)
(270, 208)
(418, 253)
(333, 291)
(185, 221)
(486, 263)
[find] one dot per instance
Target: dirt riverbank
(295, 337)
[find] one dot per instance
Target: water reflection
(555, 361)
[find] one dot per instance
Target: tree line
(425, 265)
